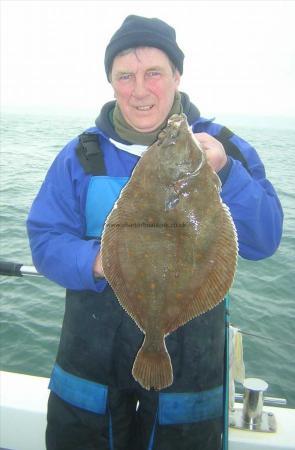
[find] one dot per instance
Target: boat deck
(23, 419)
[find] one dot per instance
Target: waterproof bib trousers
(95, 404)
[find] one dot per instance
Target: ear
(177, 78)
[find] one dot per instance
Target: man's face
(144, 85)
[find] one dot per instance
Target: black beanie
(138, 31)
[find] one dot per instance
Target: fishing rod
(12, 269)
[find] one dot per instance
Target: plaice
(169, 246)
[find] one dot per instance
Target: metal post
(253, 401)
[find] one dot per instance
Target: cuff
(85, 266)
(224, 172)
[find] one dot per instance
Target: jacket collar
(103, 121)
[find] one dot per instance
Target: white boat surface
(23, 408)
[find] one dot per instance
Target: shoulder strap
(90, 154)
(231, 149)
(91, 157)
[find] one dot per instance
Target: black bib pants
(99, 342)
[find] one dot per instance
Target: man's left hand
(214, 150)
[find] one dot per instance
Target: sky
(239, 55)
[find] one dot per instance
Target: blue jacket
(58, 221)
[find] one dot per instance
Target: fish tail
(152, 368)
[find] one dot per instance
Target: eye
(153, 74)
(125, 76)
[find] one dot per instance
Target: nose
(139, 88)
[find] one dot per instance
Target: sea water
(263, 295)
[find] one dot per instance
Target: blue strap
(151, 442)
(226, 378)
(78, 391)
(177, 408)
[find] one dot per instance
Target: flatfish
(169, 245)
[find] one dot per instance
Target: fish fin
(217, 282)
(221, 277)
(152, 368)
(113, 266)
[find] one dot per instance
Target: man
(95, 403)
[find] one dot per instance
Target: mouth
(144, 108)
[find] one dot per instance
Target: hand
(97, 267)
(214, 150)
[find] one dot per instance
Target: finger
(203, 138)
(203, 135)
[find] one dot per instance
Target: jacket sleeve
(254, 205)
(56, 226)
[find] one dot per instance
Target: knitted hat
(138, 31)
